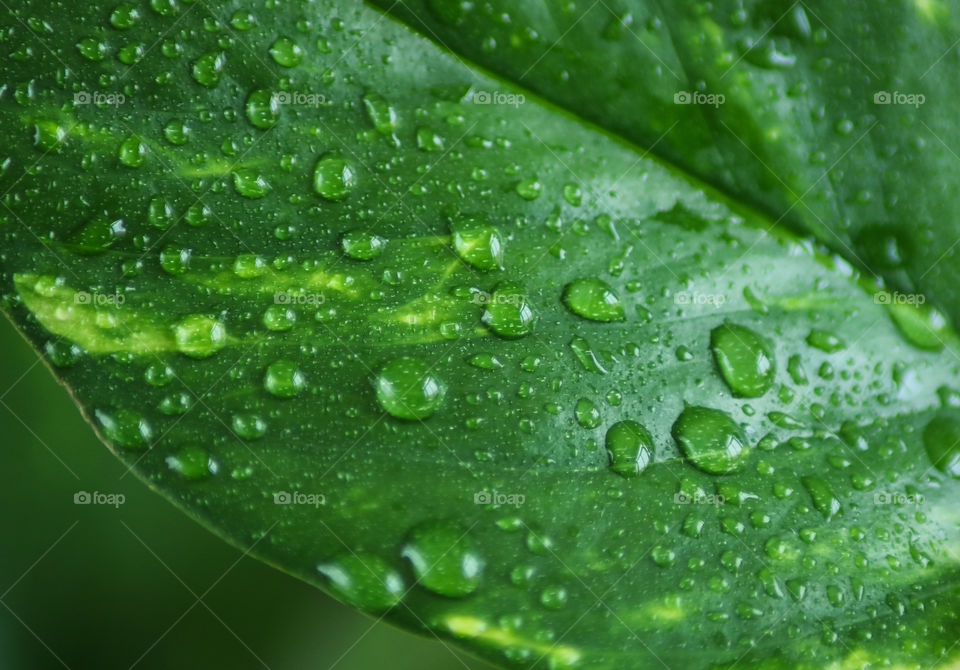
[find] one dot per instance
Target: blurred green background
(91, 586)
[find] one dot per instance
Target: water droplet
(92, 49)
(587, 413)
(507, 313)
(382, 115)
(553, 597)
(192, 462)
(279, 318)
(593, 299)
(361, 245)
(177, 132)
(243, 20)
(124, 16)
(249, 426)
(251, 184)
(444, 558)
(572, 194)
(61, 353)
(485, 361)
(477, 242)
(96, 236)
(284, 379)
(825, 341)
(263, 108)
(630, 447)
(363, 580)
(710, 439)
(132, 151)
(941, 438)
(429, 140)
(208, 68)
(407, 389)
(744, 360)
(333, 177)
(125, 428)
(823, 497)
(158, 374)
(286, 52)
(586, 355)
(922, 325)
(200, 336)
(529, 189)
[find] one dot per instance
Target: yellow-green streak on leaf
(101, 329)
(462, 625)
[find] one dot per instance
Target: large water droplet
(941, 438)
(96, 236)
(208, 68)
(251, 184)
(710, 439)
(192, 462)
(408, 390)
(124, 427)
(825, 341)
(362, 245)
(823, 496)
(507, 313)
(263, 108)
(286, 52)
(630, 447)
(200, 336)
(284, 379)
(364, 580)
(477, 243)
(744, 360)
(333, 177)
(444, 558)
(593, 299)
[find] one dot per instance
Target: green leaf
(838, 119)
(418, 337)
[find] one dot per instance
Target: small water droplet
(284, 379)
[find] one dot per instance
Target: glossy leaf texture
(440, 348)
(836, 118)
